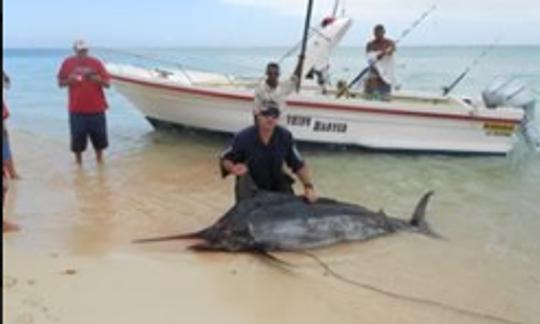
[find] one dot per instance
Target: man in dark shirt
(258, 152)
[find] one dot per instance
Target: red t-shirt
(85, 96)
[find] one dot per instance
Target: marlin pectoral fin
(272, 258)
(204, 247)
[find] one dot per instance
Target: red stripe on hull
(322, 106)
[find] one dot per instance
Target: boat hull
(367, 124)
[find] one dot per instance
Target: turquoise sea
(34, 90)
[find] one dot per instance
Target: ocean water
(488, 208)
(424, 69)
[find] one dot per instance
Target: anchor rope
(399, 296)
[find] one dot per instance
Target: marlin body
(284, 222)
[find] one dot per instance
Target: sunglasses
(272, 112)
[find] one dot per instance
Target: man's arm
(101, 76)
(6, 83)
(304, 175)
(291, 84)
(368, 47)
(65, 76)
(300, 168)
(231, 160)
(237, 169)
(390, 48)
(258, 99)
(98, 79)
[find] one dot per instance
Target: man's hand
(239, 169)
(73, 78)
(97, 79)
(69, 80)
(94, 77)
(311, 194)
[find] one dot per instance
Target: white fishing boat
(408, 122)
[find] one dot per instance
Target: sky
(247, 23)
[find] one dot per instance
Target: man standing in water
(259, 152)
(85, 77)
(378, 84)
(6, 157)
(8, 163)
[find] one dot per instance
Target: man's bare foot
(10, 168)
(9, 227)
(15, 176)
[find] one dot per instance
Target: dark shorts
(84, 126)
(6, 150)
(246, 188)
(376, 88)
(382, 92)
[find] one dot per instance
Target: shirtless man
(377, 87)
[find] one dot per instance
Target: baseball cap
(80, 45)
(270, 108)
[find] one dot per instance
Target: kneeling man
(259, 152)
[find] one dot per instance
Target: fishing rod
(304, 44)
(170, 62)
(476, 61)
(404, 34)
(143, 56)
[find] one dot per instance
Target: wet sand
(73, 261)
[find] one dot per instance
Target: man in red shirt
(85, 77)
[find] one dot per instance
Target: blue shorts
(6, 150)
(84, 126)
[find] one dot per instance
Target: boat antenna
(336, 7)
(302, 56)
(404, 34)
(475, 62)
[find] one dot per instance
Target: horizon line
(97, 47)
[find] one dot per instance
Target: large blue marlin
(284, 222)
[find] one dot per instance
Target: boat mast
(304, 45)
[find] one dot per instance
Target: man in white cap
(85, 77)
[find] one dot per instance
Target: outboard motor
(512, 93)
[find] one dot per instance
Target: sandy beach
(73, 262)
